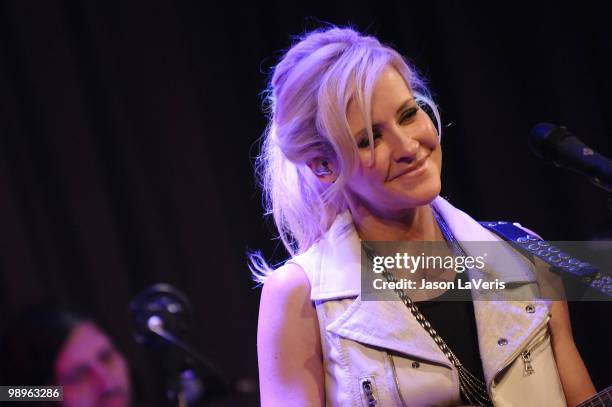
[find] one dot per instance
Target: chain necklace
(473, 389)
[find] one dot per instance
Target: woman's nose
(405, 149)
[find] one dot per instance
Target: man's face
(92, 371)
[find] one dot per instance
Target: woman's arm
(288, 342)
(575, 379)
(577, 384)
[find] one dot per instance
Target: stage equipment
(162, 317)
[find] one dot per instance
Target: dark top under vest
(455, 322)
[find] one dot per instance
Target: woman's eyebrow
(404, 105)
(407, 103)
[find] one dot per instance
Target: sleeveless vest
(376, 354)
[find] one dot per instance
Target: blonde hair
(306, 102)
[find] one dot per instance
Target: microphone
(556, 144)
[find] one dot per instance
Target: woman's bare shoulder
(288, 283)
(288, 280)
(289, 277)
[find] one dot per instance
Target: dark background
(128, 132)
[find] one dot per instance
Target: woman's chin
(399, 199)
(423, 195)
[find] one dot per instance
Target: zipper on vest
(396, 379)
(526, 355)
(368, 391)
(528, 349)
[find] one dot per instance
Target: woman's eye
(365, 142)
(409, 114)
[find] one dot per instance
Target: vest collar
(340, 257)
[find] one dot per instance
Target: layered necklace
(473, 390)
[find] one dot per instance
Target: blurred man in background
(59, 347)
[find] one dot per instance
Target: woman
(351, 155)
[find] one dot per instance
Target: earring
(323, 169)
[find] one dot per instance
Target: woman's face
(407, 154)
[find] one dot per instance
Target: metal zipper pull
(526, 356)
(366, 386)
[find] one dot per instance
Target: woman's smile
(416, 169)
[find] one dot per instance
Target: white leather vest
(376, 353)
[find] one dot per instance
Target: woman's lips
(415, 169)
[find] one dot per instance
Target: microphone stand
(211, 375)
(162, 315)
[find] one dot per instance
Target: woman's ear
(322, 169)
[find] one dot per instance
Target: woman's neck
(414, 224)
